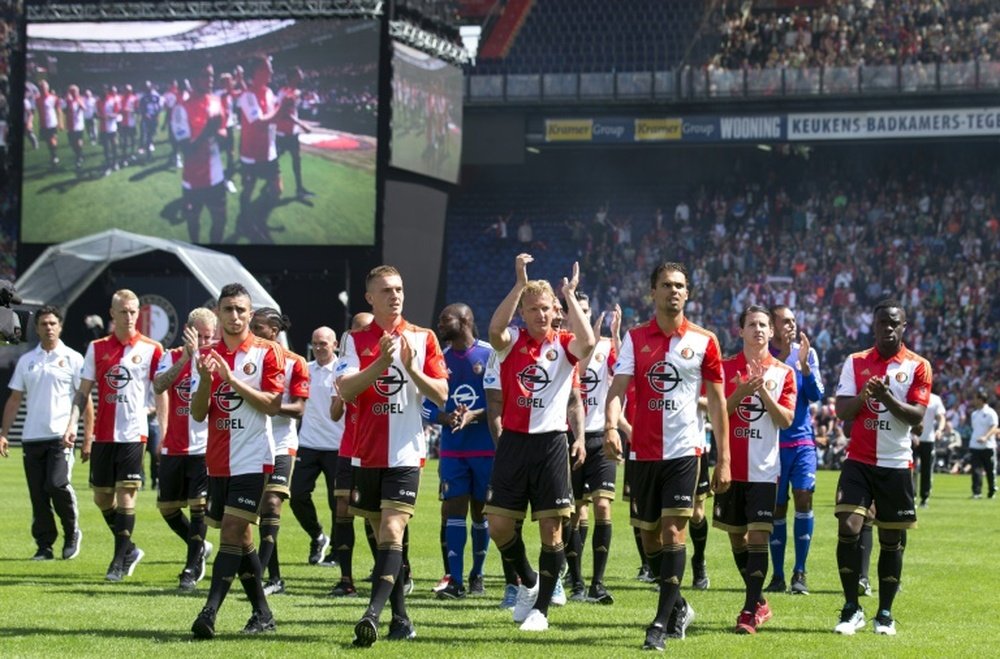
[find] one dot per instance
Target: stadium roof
(65, 270)
(146, 36)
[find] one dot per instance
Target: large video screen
(426, 114)
(247, 132)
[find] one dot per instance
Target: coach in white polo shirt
(983, 445)
(48, 376)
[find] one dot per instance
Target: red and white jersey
(286, 436)
(123, 373)
(48, 110)
(668, 372)
(109, 109)
(350, 429)
(76, 114)
(753, 434)
(596, 382)
(240, 440)
(389, 431)
(285, 123)
(130, 108)
(184, 436)
(229, 100)
(318, 430)
(257, 139)
(48, 380)
(877, 436)
(536, 379)
(203, 164)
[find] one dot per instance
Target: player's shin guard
(779, 540)
(269, 527)
(804, 523)
(741, 557)
(224, 569)
(110, 516)
(388, 571)
(124, 526)
(756, 571)
(343, 543)
(250, 574)
(514, 554)
(699, 538)
(655, 563)
(179, 524)
(601, 549)
(480, 545)
(849, 565)
(890, 568)
(455, 536)
(671, 575)
(196, 537)
(550, 563)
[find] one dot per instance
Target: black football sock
(849, 565)
(179, 524)
(550, 563)
(514, 554)
(601, 549)
(343, 534)
(756, 571)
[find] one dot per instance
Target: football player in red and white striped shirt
(122, 365)
(238, 387)
(387, 368)
(537, 367)
(883, 392)
(668, 358)
(288, 126)
(760, 399)
(183, 477)
(268, 324)
(48, 105)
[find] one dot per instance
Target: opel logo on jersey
(183, 389)
(465, 395)
(875, 406)
(750, 409)
(663, 377)
(391, 382)
(589, 381)
(226, 398)
(118, 377)
(534, 378)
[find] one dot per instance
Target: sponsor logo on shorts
(563, 502)
(682, 497)
(246, 501)
(765, 513)
(906, 513)
(408, 493)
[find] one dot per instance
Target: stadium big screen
(134, 132)
(426, 114)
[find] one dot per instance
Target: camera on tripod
(10, 323)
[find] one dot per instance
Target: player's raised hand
(190, 341)
(598, 324)
(803, 350)
(521, 267)
(616, 320)
(569, 285)
(387, 349)
(407, 354)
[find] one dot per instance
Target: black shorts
(238, 496)
(75, 136)
(344, 482)
(287, 143)
(627, 478)
(47, 133)
(309, 464)
(891, 490)
(377, 489)
(746, 507)
(704, 489)
(268, 171)
(662, 488)
(116, 464)
(183, 480)
(196, 198)
(530, 468)
(279, 481)
(596, 478)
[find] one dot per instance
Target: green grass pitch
(58, 204)
(65, 608)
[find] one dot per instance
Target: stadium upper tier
(146, 37)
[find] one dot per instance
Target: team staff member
(760, 399)
(883, 391)
(983, 445)
(669, 359)
(537, 366)
(387, 367)
(467, 448)
(183, 478)
(122, 365)
(798, 452)
(238, 386)
(49, 375)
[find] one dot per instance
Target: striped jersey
(466, 370)
(184, 436)
(753, 434)
(257, 138)
(286, 436)
(203, 163)
(123, 373)
(389, 430)
(668, 371)
(877, 436)
(536, 378)
(240, 440)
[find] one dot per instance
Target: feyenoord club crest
(770, 385)
(551, 355)
(249, 368)
(477, 368)
(158, 318)
(687, 353)
(901, 377)
(136, 358)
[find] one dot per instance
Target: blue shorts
(464, 476)
(798, 469)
